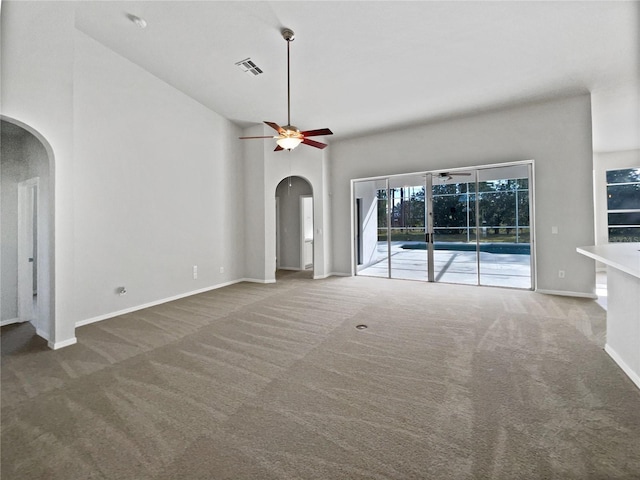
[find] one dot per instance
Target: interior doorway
(469, 226)
(27, 229)
(294, 224)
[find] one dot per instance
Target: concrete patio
(452, 266)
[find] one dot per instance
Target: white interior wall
(290, 227)
(158, 175)
(263, 171)
(154, 197)
(556, 134)
(601, 163)
(310, 164)
(323, 221)
(254, 195)
(36, 75)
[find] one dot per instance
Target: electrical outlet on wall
(221, 269)
(560, 273)
(195, 272)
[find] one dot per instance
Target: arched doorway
(294, 225)
(27, 253)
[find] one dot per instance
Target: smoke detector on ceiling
(249, 67)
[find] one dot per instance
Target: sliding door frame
(429, 224)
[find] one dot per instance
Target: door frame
(278, 233)
(27, 251)
(429, 212)
(303, 241)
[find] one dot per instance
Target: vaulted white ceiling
(365, 66)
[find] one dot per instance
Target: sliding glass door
(504, 226)
(469, 226)
(454, 227)
(408, 228)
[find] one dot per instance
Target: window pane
(523, 208)
(629, 218)
(452, 188)
(627, 234)
(623, 197)
(623, 176)
(452, 211)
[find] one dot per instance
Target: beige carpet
(275, 382)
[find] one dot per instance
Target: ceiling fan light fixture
(289, 143)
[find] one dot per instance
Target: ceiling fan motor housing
(291, 130)
(287, 34)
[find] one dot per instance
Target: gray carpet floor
(275, 382)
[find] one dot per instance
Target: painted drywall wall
(263, 170)
(253, 192)
(556, 134)
(36, 79)
(177, 163)
(310, 164)
(23, 157)
(290, 229)
(601, 163)
(156, 187)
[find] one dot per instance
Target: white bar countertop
(623, 256)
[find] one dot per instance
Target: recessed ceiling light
(140, 22)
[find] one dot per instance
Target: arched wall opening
(265, 170)
(27, 229)
(294, 224)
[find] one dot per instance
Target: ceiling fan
(450, 175)
(289, 136)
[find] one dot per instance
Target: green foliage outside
(503, 207)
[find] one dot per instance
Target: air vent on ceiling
(248, 66)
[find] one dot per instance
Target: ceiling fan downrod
(289, 137)
(288, 35)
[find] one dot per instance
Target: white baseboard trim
(99, 318)
(331, 274)
(257, 280)
(565, 293)
(64, 343)
(340, 274)
(43, 334)
(9, 321)
(635, 378)
(294, 269)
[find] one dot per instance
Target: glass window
(628, 175)
(623, 205)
